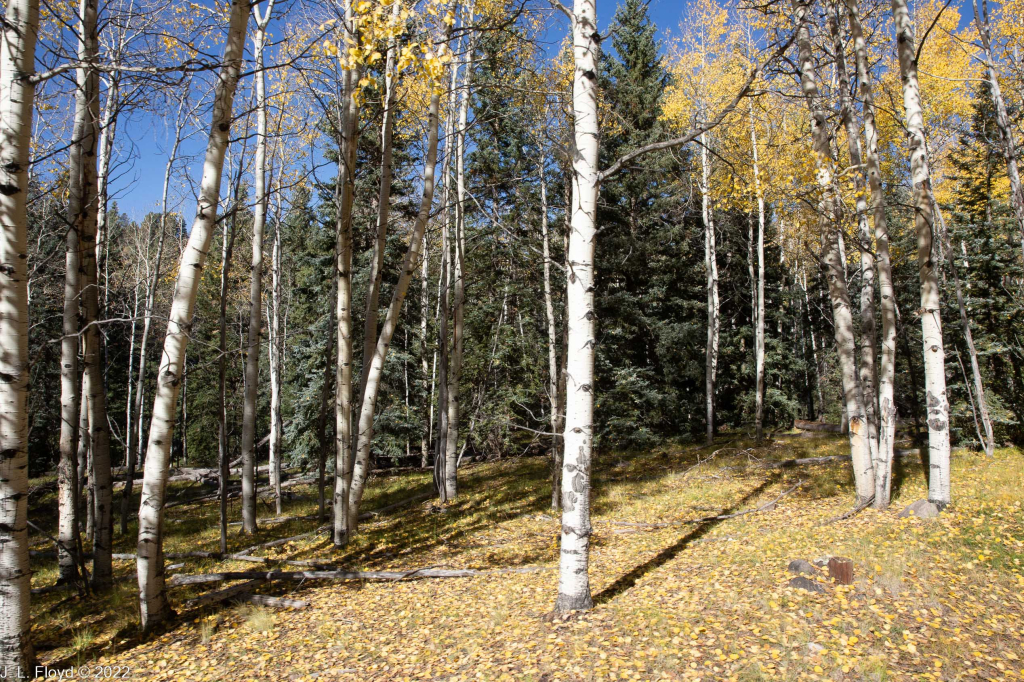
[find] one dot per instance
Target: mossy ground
(940, 599)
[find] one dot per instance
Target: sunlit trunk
(152, 594)
(17, 60)
(937, 404)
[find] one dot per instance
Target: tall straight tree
(344, 196)
(17, 91)
(928, 267)
(252, 357)
(1006, 138)
(833, 265)
(83, 208)
(886, 414)
(868, 327)
(152, 595)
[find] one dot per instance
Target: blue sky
(138, 187)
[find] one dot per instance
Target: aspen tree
(833, 263)
(18, 35)
(252, 358)
(152, 594)
(937, 403)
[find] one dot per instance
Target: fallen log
(804, 425)
(899, 452)
(223, 594)
(275, 602)
(394, 576)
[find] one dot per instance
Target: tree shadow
(630, 579)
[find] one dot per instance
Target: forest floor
(932, 599)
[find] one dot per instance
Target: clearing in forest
(675, 599)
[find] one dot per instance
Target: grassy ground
(937, 599)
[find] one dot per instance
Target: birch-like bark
(1007, 142)
(252, 357)
(344, 197)
(574, 556)
(711, 271)
(424, 365)
(152, 595)
(868, 325)
(886, 415)
(135, 438)
(989, 441)
(937, 404)
(458, 286)
(376, 367)
(383, 206)
(549, 311)
(759, 296)
(67, 473)
(276, 370)
(223, 456)
(833, 264)
(17, 61)
(87, 111)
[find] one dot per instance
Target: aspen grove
(312, 284)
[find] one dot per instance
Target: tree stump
(840, 569)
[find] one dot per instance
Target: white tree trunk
(1006, 138)
(458, 286)
(868, 349)
(276, 369)
(711, 270)
(937, 403)
(85, 220)
(344, 197)
(383, 206)
(426, 374)
(252, 357)
(152, 596)
(376, 367)
(886, 414)
(135, 437)
(549, 311)
(17, 60)
(834, 264)
(759, 297)
(574, 557)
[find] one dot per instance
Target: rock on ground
(806, 584)
(922, 509)
(802, 566)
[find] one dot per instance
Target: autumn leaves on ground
(932, 599)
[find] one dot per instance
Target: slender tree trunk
(1008, 144)
(135, 438)
(67, 473)
(573, 579)
(989, 442)
(711, 270)
(17, 61)
(252, 357)
(85, 477)
(152, 595)
(276, 370)
(223, 454)
(868, 326)
(383, 207)
(886, 414)
(931, 321)
(834, 265)
(376, 366)
(459, 295)
(424, 369)
(549, 311)
(344, 197)
(444, 302)
(321, 422)
(759, 295)
(87, 114)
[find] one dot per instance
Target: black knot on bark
(8, 189)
